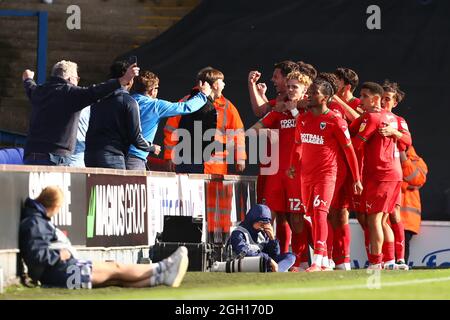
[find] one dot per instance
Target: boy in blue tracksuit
(152, 110)
(255, 237)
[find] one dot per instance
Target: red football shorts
(342, 191)
(260, 188)
(282, 194)
(317, 195)
(380, 196)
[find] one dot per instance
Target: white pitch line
(274, 291)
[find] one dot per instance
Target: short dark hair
(210, 75)
(349, 77)
(327, 83)
(145, 82)
(307, 69)
(373, 87)
(286, 67)
(118, 69)
(395, 88)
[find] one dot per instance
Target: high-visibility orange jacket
(414, 177)
(229, 129)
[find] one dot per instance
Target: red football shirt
(406, 140)
(354, 126)
(321, 138)
(336, 107)
(285, 123)
(354, 103)
(380, 152)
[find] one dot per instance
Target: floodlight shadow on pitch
(182, 229)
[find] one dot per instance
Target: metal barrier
(42, 37)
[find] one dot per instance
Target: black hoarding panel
(117, 211)
(17, 186)
(72, 217)
(14, 188)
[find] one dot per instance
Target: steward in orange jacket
(414, 177)
(229, 135)
(229, 130)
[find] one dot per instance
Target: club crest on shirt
(362, 127)
(323, 125)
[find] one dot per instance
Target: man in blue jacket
(56, 107)
(255, 237)
(152, 110)
(114, 125)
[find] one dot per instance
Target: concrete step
(108, 28)
(61, 5)
(15, 114)
(86, 46)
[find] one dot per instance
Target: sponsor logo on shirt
(311, 138)
(362, 127)
(287, 123)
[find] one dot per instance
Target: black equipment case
(200, 254)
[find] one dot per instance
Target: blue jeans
(104, 160)
(135, 163)
(285, 261)
(45, 159)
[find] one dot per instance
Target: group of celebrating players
(338, 153)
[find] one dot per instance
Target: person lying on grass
(54, 262)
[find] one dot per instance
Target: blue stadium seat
(11, 156)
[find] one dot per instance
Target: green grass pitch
(355, 284)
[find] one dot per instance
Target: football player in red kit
(282, 195)
(392, 96)
(261, 106)
(338, 242)
(382, 174)
(320, 134)
(347, 82)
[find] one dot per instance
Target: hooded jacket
(258, 243)
(36, 234)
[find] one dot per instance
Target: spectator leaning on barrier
(114, 126)
(53, 261)
(56, 107)
(152, 110)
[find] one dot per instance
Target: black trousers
(408, 236)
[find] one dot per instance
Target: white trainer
(175, 267)
(376, 266)
(402, 266)
(390, 266)
(331, 264)
(344, 266)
